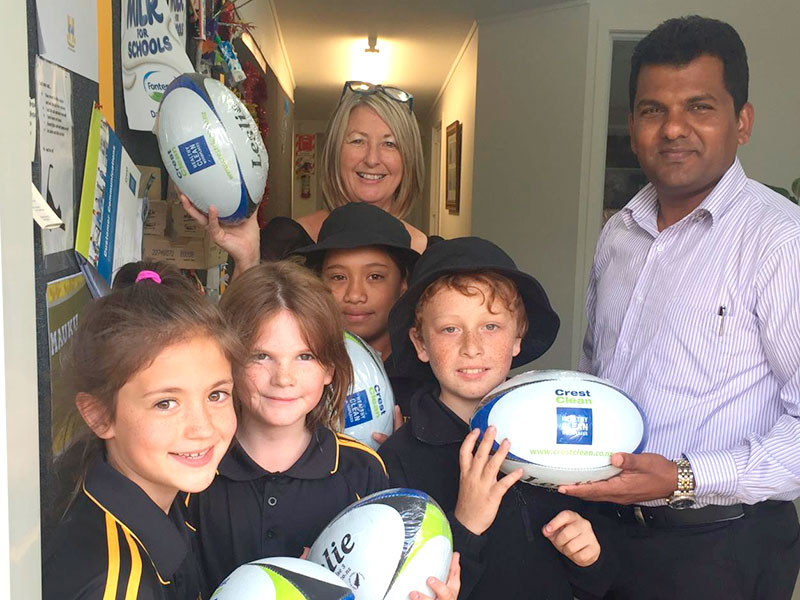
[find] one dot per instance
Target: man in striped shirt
(694, 310)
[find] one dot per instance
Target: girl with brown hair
(153, 368)
(288, 473)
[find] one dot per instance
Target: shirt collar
(643, 207)
(319, 460)
(163, 537)
(431, 421)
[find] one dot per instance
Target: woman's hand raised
(240, 239)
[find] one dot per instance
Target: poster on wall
(153, 54)
(65, 300)
(68, 34)
(110, 223)
(54, 106)
(304, 161)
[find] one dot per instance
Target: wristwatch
(683, 497)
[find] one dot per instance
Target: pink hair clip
(145, 274)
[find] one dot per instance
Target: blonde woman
(372, 154)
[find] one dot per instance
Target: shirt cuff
(715, 472)
(464, 541)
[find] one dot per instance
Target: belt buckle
(637, 513)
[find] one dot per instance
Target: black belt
(664, 517)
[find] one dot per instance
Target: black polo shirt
(249, 513)
(512, 559)
(114, 542)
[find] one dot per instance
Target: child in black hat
(468, 316)
(364, 256)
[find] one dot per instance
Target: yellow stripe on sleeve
(351, 443)
(127, 531)
(112, 576)
(132, 591)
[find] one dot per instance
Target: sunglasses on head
(366, 89)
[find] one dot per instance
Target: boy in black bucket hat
(467, 317)
(363, 255)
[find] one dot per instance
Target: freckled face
(174, 421)
(370, 163)
(469, 346)
(286, 378)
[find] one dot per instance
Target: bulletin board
(57, 276)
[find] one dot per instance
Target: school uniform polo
(512, 559)
(115, 543)
(249, 513)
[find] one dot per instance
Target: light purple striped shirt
(700, 324)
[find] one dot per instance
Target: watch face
(681, 503)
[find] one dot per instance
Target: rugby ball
(282, 579)
(369, 406)
(211, 146)
(387, 545)
(563, 426)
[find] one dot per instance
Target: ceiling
(424, 39)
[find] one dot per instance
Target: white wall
(457, 103)
(269, 40)
(528, 145)
(20, 553)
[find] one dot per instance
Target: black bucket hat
(467, 255)
(356, 225)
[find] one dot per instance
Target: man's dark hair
(679, 41)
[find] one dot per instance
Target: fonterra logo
(573, 397)
(154, 89)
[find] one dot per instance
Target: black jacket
(115, 542)
(248, 513)
(512, 559)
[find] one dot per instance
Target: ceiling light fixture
(370, 64)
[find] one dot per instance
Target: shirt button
(270, 534)
(640, 298)
(272, 501)
(660, 247)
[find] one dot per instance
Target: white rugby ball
(369, 406)
(282, 578)
(211, 146)
(387, 545)
(563, 426)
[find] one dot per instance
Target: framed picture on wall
(453, 164)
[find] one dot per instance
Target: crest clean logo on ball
(574, 426)
(196, 155)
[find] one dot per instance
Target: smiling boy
(468, 316)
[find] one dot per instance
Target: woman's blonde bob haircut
(406, 132)
(263, 291)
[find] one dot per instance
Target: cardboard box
(172, 190)
(186, 253)
(154, 191)
(183, 225)
(156, 221)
